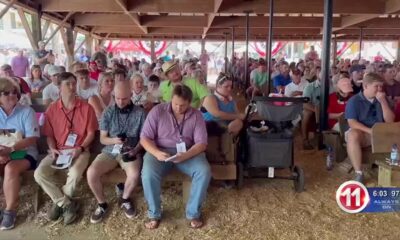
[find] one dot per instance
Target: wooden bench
(223, 166)
(384, 135)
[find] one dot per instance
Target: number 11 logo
(352, 197)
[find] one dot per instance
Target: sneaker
(98, 215)
(70, 213)
(8, 220)
(129, 209)
(119, 189)
(359, 177)
(55, 212)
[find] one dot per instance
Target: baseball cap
(356, 68)
(53, 70)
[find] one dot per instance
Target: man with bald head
(120, 129)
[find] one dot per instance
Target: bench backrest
(384, 135)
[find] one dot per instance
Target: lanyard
(177, 125)
(70, 121)
(122, 127)
(137, 99)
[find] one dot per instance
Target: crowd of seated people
(143, 118)
(160, 115)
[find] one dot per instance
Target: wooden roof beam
(211, 16)
(306, 6)
(173, 21)
(371, 32)
(133, 16)
(172, 6)
(390, 6)
(102, 19)
(117, 29)
(58, 27)
(8, 6)
(280, 22)
(80, 6)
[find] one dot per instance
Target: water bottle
(394, 155)
(329, 158)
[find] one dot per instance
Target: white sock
(359, 172)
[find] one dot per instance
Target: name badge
(117, 149)
(71, 140)
(181, 147)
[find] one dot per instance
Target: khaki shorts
(118, 158)
(365, 140)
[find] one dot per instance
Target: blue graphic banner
(383, 200)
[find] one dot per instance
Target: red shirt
(57, 122)
(336, 106)
(95, 75)
(23, 85)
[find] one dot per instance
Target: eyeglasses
(8, 93)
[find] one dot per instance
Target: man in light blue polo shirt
(362, 112)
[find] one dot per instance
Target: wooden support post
(28, 31)
(68, 37)
(37, 25)
(58, 27)
(152, 50)
(5, 9)
(203, 45)
(334, 51)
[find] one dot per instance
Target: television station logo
(352, 197)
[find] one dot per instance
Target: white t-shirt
(141, 98)
(51, 91)
(91, 91)
(291, 87)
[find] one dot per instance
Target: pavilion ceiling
(213, 19)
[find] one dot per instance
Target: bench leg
(186, 185)
(36, 198)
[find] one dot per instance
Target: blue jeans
(153, 170)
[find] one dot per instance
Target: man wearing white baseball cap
(52, 92)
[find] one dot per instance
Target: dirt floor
(262, 209)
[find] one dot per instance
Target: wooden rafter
(211, 16)
(58, 27)
(5, 9)
(133, 16)
(27, 28)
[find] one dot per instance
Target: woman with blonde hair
(19, 132)
(104, 96)
(140, 96)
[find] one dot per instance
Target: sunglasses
(8, 93)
